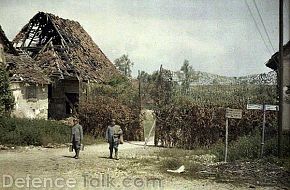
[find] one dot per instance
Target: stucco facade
(31, 101)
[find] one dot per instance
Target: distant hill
(204, 78)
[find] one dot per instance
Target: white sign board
(272, 107)
(254, 107)
(234, 113)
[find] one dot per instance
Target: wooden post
(227, 134)
(263, 130)
(280, 79)
(140, 95)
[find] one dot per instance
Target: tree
(188, 77)
(6, 97)
(124, 64)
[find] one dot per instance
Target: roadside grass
(16, 131)
(90, 140)
(37, 132)
(244, 149)
(193, 160)
(249, 148)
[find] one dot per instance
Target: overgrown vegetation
(249, 147)
(116, 99)
(124, 65)
(196, 116)
(15, 131)
(6, 97)
(245, 164)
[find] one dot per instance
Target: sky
(216, 36)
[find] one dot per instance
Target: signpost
(231, 114)
(254, 107)
(271, 108)
(264, 108)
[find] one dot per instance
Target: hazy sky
(216, 36)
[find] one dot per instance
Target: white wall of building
(27, 106)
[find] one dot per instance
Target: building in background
(52, 62)
(28, 83)
(273, 63)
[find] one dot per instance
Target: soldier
(76, 137)
(113, 135)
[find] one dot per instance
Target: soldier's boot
(111, 153)
(116, 155)
(77, 154)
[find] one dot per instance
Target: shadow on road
(68, 156)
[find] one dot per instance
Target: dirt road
(47, 168)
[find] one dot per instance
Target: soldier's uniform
(113, 134)
(76, 138)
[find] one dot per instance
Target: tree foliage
(6, 97)
(124, 64)
(197, 118)
(118, 99)
(187, 78)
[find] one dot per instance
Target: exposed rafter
(63, 48)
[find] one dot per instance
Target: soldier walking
(76, 137)
(113, 135)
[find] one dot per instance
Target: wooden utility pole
(280, 79)
(139, 87)
(227, 139)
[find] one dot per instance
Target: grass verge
(37, 132)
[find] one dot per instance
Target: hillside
(204, 78)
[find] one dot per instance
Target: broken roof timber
(64, 46)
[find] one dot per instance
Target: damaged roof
(21, 68)
(8, 47)
(273, 62)
(62, 48)
(24, 69)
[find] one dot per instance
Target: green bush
(15, 131)
(6, 97)
(249, 147)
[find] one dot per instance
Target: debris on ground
(181, 169)
(3, 147)
(256, 173)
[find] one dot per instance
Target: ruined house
(274, 63)
(66, 57)
(28, 83)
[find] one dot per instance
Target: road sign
(264, 108)
(234, 113)
(254, 107)
(272, 107)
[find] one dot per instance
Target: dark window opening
(31, 92)
(72, 100)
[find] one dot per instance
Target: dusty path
(42, 168)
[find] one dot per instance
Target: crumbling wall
(27, 106)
